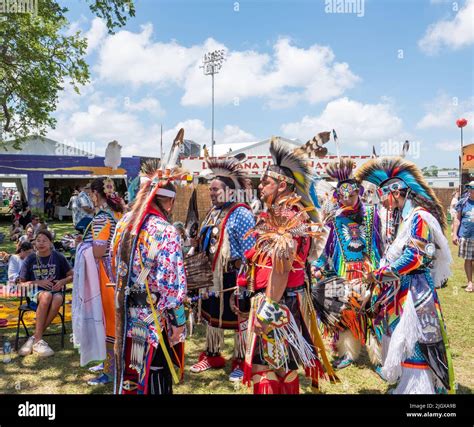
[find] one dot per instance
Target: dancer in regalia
(150, 287)
(283, 332)
(222, 238)
(93, 311)
(353, 249)
(405, 301)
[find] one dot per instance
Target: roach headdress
(396, 173)
(291, 166)
(342, 171)
(229, 171)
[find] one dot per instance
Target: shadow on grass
(461, 389)
(58, 374)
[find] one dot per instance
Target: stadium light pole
(211, 65)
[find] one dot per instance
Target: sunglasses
(384, 191)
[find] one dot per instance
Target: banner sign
(255, 165)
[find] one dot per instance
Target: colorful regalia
(353, 249)
(285, 234)
(93, 312)
(222, 239)
(150, 288)
(405, 303)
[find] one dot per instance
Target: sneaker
(201, 366)
(343, 362)
(27, 348)
(102, 379)
(42, 349)
(378, 371)
(335, 361)
(236, 375)
(95, 369)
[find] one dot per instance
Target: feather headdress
(230, 169)
(341, 170)
(154, 177)
(384, 171)
(315, 146)
(295, 172)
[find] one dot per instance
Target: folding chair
(31, 306)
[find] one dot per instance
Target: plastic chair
(31, 306)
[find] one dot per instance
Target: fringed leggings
(215, 342)
(159, 379)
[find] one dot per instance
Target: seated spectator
(16, 230)
(27, 237)
(46, 273)
(16, 261)
(35, 223)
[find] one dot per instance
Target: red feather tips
(460, 123)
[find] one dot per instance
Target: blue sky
(402, 70)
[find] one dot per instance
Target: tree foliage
(37, 58)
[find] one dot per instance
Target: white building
(444, 179)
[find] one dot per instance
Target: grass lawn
(62, 373)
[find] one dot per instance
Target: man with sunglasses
(405, 302)
(463, 232)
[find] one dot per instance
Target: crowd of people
(313, 261)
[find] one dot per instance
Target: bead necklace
(40, 266)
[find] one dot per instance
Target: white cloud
(454, 34)
(69, 99)
(96, 34)
(109, 120)
(76, 25)
(128, 57)
(443, 112)
(356, 124)
(196, 130)
(148, 104)
(288, 75)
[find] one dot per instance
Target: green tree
(37, 58)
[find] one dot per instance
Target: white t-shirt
(14, 267)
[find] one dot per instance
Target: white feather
(113, 157)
